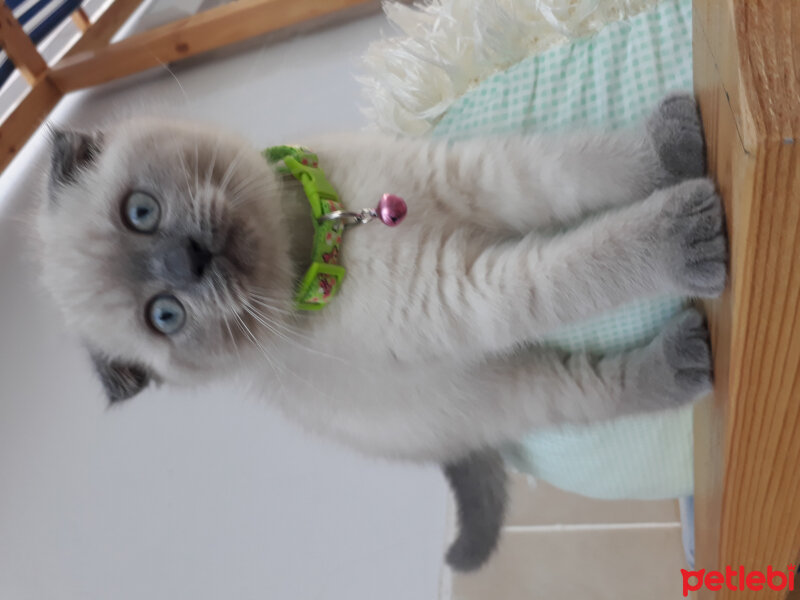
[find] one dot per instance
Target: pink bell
(392, 209)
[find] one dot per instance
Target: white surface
(193, 495)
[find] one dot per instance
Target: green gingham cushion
(613, 79)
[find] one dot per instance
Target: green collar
(325, 274)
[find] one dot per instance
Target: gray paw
(676, 367)
(687, 351)
(677, 136)
(697, 250)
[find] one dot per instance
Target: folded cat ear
(71, 151)
(121, 380)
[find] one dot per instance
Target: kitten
(174, 251)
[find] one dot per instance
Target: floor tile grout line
(588, 527)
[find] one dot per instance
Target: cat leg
(516, 291)
(527, 182)
(545, 388)
(445, 413)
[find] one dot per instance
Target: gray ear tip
(136, 380)
(57, 135)
(71, 152)
(121, 380)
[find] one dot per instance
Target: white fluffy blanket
(445, 47)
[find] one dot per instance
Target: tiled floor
(557, 545)
(542, 504)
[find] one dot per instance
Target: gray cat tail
(479, 483)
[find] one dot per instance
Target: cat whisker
(175, 77)
(270, 304)
(273, 327)
(286, 368)
(251, 191)
(188, 185)
(210, 170)
(219, 302)
(264, 295)
(290, 331)
(207, 209)
(265, 323)
(261, 292)
(271, 308)
(267, 304)
(196, 178)
(228, 175)
(246, 330)
(277, 327)
(265, 320)
(247, 188)
(232, 338)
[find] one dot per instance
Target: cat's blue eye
(141, 212)
(166, 314)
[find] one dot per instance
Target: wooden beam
(81, 19)
(25, 119)
(43, 96)
(211, 29)
(18, 46)
(100, 32)
(747, 439)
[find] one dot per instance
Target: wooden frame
(93, 60)
(19, 47)
(99, 33)
(747, 440)
(81, 19)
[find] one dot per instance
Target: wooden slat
(214, 28)
(100, 32)
(747, 439)
(81, 19)
(19, 47)
(22, 123)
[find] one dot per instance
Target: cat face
(158, 242)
